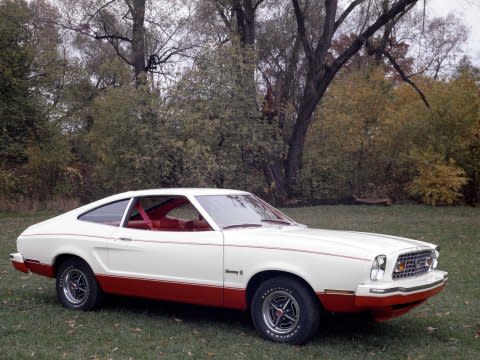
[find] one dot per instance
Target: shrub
(438, 182)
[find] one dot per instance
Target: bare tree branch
(405, 78)
(361, 40)
(94, 35)
(328, 30)
(257, 4)
(301, 30)
(97, 11)
(347, 12)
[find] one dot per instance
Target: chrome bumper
(426, 282)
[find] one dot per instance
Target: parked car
(230, 249)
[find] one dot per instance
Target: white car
(227, 248)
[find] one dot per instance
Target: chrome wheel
(281, 312)
(75, 286)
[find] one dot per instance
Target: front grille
(416, 263)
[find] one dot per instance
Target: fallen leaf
(71, 323)
(114, 349)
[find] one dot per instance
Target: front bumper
(406, 288)
(385, 299)
(394, 298)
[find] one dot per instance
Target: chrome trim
(411, 289)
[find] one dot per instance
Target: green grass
(34, 325)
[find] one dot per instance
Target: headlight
(378, 268)
(436, 254)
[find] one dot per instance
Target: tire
(77, 288)
(284, 310)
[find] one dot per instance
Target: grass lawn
(34, 325)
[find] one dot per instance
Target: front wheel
(284, 310)
(77, 287)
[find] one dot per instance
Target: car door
(165, 250)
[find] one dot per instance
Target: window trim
(195, 205)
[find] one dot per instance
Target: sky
(469, 12)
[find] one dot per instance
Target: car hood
(349, 243)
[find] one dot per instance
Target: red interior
(157, 219)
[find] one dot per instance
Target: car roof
(183, 191)
(154, 192)
(169, 191)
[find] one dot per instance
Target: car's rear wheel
(77, 287)
(284, 310)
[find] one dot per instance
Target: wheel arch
(61, 258)
(256, 280)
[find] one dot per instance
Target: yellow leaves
(438, 182)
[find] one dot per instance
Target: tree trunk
(138, 41)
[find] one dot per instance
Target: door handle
(124, 239)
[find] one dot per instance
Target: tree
(436, 44)
(34, 156)
(133, 30)
(21, 117)
(321, 68)
(350, 148)
(212, 112)
(442, 140)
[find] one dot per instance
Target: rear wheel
(77, 287)
(284, 310)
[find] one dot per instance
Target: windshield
(230, 211)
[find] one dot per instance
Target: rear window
(110, 214)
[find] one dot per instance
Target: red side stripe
(298, 250)
(213, 244)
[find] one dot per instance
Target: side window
(165, 213)
(110, 214)
(184, 212)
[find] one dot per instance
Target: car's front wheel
(284, 310)
(77, 287)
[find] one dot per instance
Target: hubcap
(75, 286)
(281, 312)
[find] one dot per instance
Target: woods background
(295, 100)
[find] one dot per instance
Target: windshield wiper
(277, 221)
(241, 225)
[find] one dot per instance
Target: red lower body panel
(174, 291)
(34, 266)
(20, 266)
(382, 308)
